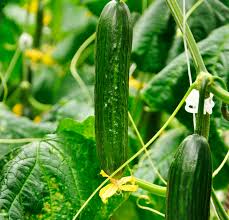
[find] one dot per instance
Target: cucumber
(189, 183)
(112, 60)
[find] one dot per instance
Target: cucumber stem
(194, 50)
(218, 206)
(202, 120)
(220, 93)
(152, 188)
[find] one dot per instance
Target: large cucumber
(189, 184)
(112, 60)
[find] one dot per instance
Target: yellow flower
(47, 59)
(37, 56)
(124, 184)
(34, 54)
(135, 83)
(47, 18)
(37, 119)
(18, 109)
(32, 7)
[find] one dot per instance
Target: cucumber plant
(54, 166)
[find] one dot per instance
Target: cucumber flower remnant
(124, 184)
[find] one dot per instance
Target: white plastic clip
(192, 102)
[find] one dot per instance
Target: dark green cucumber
(189, 183)
(112, 60)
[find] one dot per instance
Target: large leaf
(53, 178)
(72, 108)
(166, 89)
(207, 17)
(12, 126)
(151, 37)
(18, 14)
(66, 48)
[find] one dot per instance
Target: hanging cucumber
(189, 185)
(190, 174)
(112, 60)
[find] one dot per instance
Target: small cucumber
(189, 184)
(112, 60)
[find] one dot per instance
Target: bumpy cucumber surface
(112, 60)
(189, 184)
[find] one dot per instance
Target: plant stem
(146, 152)
(73, 68)
(154, 211)
(203, 120)
(39, 25)
(5, 88)
(37, 105)
(194, 50)
(19, 140)
(187, 55)
(139, 152)
(221, 165)
(219, 92)
(219, 208)
(193, 8)
(11, 66)
(152, 188)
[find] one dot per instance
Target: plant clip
(192, 102)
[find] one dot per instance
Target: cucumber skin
(112, 61)
(190, 178)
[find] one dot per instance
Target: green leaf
(51, 179)
(2, 4)
(18, 14)
(86, 128)
(12, 126)
(166, 89)
(208, 16)
(151, 39)
(73, 13)
(67, 47)
(75, 109)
